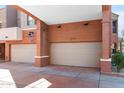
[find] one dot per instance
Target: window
(30, 21)
(113, 51)
(114, 26)
(114, 48)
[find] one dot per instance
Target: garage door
(76, 54)
(23, 53)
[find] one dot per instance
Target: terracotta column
(41, 58)
(7, 52)
(106, 39)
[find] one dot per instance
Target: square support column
(106, 39)
(7, 52)
(41, 58)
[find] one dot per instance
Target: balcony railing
(13, 33)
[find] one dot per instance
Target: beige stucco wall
(13, 33)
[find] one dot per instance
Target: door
(23, 53)
(76, 54)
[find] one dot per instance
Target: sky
(2, 6)
(119, 9)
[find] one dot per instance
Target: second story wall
(8, 17)
(3, 18)
(11, 16)
(22, 21)
(87, 31)
(25, 38)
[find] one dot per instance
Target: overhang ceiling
(58, 14)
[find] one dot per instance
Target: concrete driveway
(18, 75)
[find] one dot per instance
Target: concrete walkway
(16, 75)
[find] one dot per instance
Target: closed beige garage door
(76, 54)
(23, 53)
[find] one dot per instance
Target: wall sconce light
(6, 36)
(30, 34)
(85, 24)
(59, 26)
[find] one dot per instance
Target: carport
(48, 53)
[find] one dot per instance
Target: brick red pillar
(41, 58)
(7, 52)
(106, 39)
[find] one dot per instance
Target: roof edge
(26, 12)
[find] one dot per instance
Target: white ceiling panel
(58, 14)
